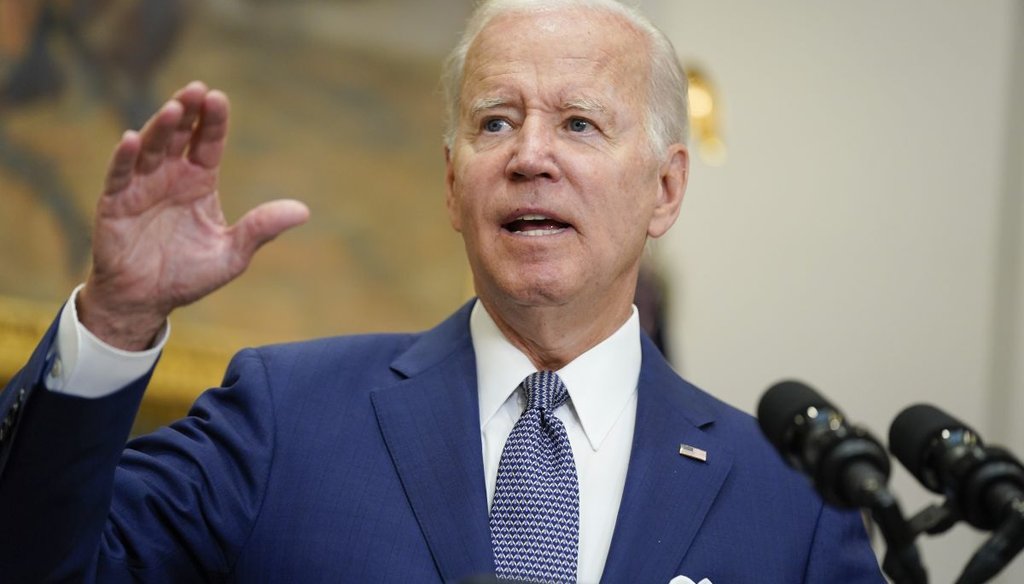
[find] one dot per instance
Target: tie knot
(545, 390)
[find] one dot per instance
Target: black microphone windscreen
(781, 404)
(912, 432)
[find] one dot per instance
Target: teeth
(527, 224)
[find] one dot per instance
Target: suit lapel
(430, 425)
(666, 495)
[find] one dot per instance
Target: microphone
(949, 458)
(984, 485)
(847, 465)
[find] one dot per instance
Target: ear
(673, 175)
(450, 199)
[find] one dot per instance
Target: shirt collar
(601, 381)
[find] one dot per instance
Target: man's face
(551, 178)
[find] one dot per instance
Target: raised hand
(160, 240)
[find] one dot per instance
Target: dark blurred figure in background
(113, 47)
(117, 44)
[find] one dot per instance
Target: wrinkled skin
(552, 180)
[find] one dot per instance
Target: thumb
(266, 222)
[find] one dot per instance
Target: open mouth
(535, 225)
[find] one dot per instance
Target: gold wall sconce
(705, 117)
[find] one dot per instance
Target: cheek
(628, 211)
(460, 195)
(473, 189)
(454, 214)
(453, 202)
(465, 210)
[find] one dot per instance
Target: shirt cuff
(85, 366)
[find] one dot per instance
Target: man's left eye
(579, 125)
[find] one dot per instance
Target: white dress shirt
(599, 416)
(90, 368)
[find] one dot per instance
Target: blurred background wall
(864, 230)
(858, 226)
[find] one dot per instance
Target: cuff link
(57, 369)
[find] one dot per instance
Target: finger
(122, 163)
(156, 136)
(191, 99)
(211, 131)
(266, 222)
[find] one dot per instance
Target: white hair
(666, 119)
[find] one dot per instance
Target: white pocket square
(685, 580)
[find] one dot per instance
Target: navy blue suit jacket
(358, 459)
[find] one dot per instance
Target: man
(403, 457)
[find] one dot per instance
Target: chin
(540, 292)
(537, 284)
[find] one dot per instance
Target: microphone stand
(1005, 543)
(902, 561)
(993, 556)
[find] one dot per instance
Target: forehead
(567, 53)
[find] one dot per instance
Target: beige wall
(857, 235)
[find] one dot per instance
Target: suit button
(21, 395)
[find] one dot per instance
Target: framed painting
(328, 114)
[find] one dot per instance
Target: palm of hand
(163, 239)
(160, 240)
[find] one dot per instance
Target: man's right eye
(495, 125)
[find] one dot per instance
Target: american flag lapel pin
(693, 452)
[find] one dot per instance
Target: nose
(533, 153)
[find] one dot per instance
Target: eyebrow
(487, 103)
(584, 104)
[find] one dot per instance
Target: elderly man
(535, 434)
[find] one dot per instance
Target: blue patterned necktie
(535, 515)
